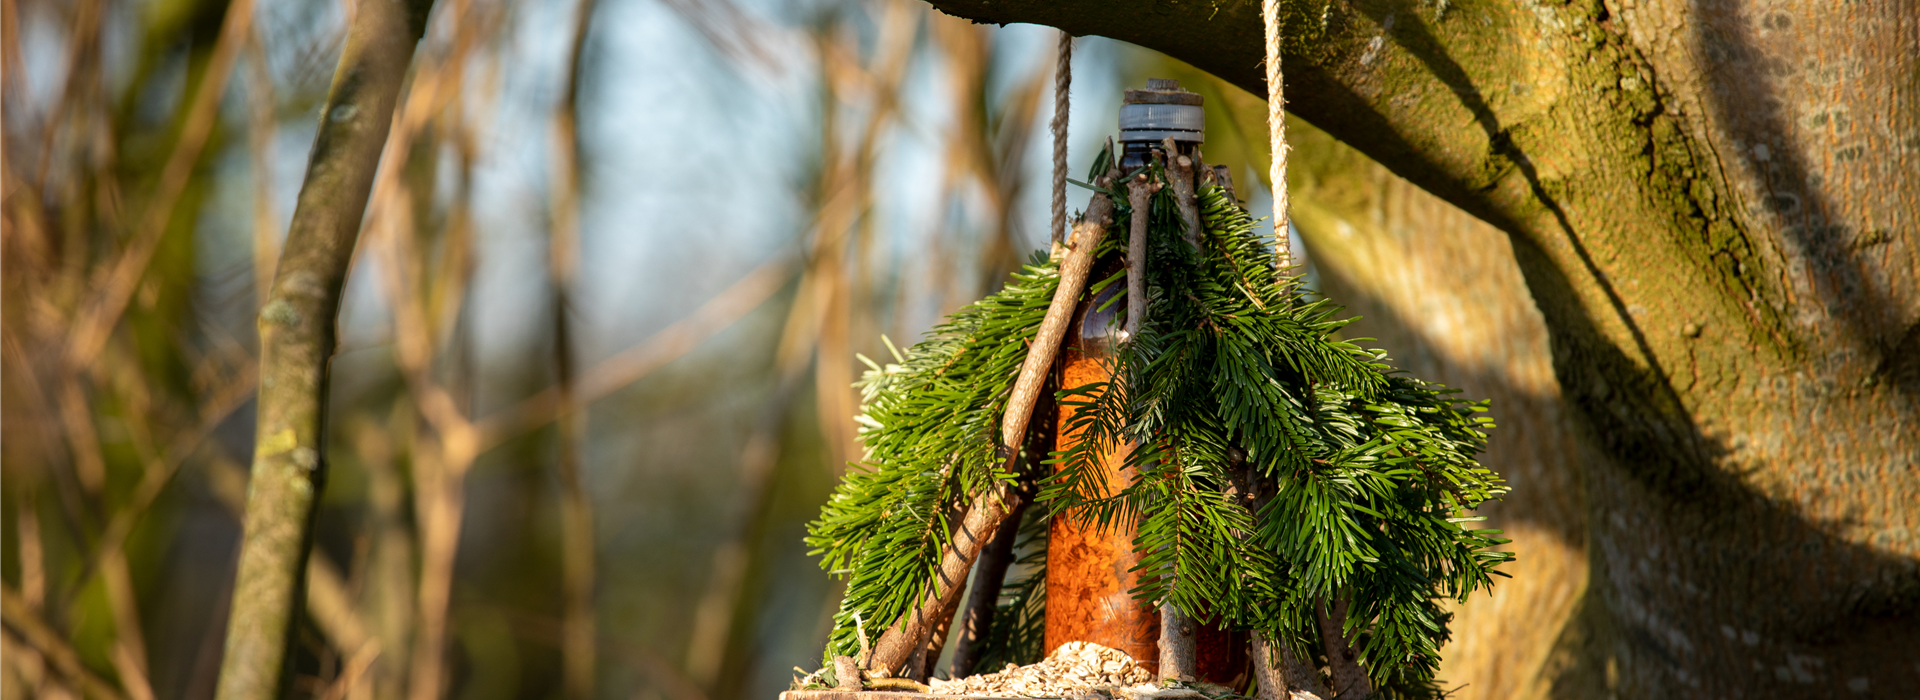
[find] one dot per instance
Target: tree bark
(297, 341)
(1709, 204)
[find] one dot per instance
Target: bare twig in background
(260, 132)
(577, 647)
(297, 341)
(94, 326)
(35, 633)
(636, 362)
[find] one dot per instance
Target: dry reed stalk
(129, 649)
(423, 305)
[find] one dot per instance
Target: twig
(1140, 191)
(331, 607)
(1349, 675)
(983, 599)
(97, 323)
(1286, 677)
(577, 646)
(988, 509)
(297, 340)
(260, 135)
(37, 634)
(1180, 172)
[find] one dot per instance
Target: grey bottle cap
(1160, 111)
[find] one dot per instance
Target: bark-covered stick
(1178, 653)
(930, 651)
(1349, 674)
(1285, 677)
(1140, 197)
(989, 509)
(984, 597)
(1180, 172)
(297, 340)
(1179, 657)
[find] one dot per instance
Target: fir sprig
(930, 424)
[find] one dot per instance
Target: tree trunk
(1711, 203)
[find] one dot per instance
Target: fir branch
(888, 523)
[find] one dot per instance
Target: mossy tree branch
(297, 341)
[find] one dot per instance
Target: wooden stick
(297, 341)
(1349, 675)
(990, 508)
(1140, 197)
(1180, 172)
(1179, 656)
(1286, 677)
(983, 598)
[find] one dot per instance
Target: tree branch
(297, 341)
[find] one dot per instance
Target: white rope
(1277, 136)
(1062, 78)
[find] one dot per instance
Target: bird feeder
(1219, 475)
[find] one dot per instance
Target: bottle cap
(1163, 109)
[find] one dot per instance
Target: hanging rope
(1062, 78)
(1277, 136)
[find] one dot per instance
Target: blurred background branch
(589, 387)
